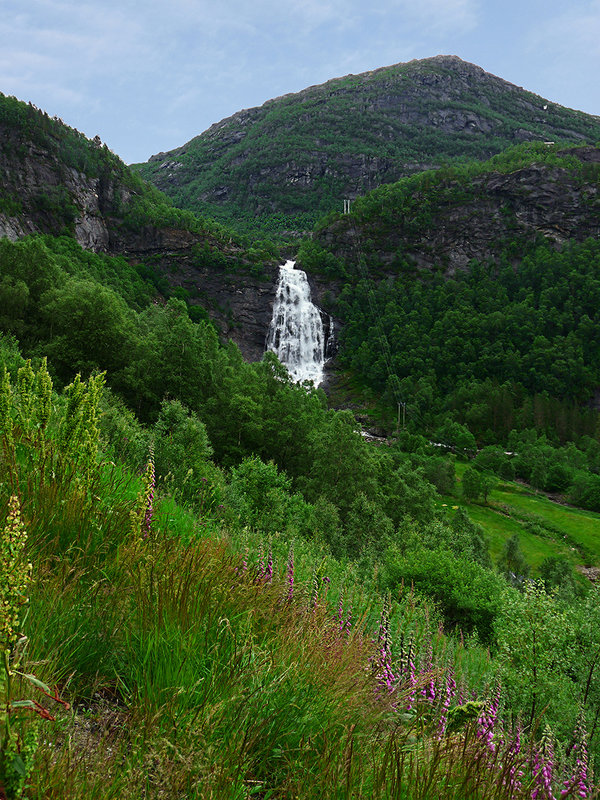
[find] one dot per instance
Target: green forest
(214, 586)
(178, 453)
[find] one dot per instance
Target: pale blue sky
(148, 75)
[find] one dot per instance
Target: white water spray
(296, 332)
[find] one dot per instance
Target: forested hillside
(55, 181)
(471, 294)
(283, 165)
(443, 219)
(212, 585)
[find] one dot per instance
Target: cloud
(570, 33)
(566, 47)
(432, 18)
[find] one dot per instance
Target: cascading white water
(296, 331)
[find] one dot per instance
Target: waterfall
(296, 332)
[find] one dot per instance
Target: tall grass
(192, 672)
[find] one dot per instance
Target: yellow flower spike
(15, 574)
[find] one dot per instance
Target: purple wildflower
(382, 661)
(348, 623)
(408, 671)
(515, 774)
(269, 570)
(260, 569)
(428, 691)
(543, 764)
(290, 576)
(578, 780)
(450, 692)
(487, 721)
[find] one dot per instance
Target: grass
(568, 532)
(583, 527)
(191, 674)
(499, 527)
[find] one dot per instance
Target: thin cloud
(433, 18)
(567, 49)
(571, 33)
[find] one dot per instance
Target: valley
(213, 585)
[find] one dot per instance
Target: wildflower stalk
(290, 576)
(7, 429)
(486, 722)
(17, 742)
(260, 568)
(340, 611)
(450, 692)
(143, 512)
(315, 585)
(577, 784)
(25, 384)
(542, 767)
(382, 663)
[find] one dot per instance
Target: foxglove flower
(543, 764)
(577, 784)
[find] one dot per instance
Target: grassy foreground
(164, 655)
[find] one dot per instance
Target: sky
(148, 75)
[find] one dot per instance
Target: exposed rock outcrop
(47, 191)
(240, 304)
(481, 218)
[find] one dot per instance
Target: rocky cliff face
(41, 187)
(308, 151)
(482, 218)
(40, 193)
(239, 303)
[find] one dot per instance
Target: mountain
(441, 220)
(53, 180)
(297, 157)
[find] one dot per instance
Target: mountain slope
(53, 180)
(298, 156)
(443, 219)
(474, 290)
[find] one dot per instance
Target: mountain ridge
(298, 155)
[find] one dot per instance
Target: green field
(564, 531)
